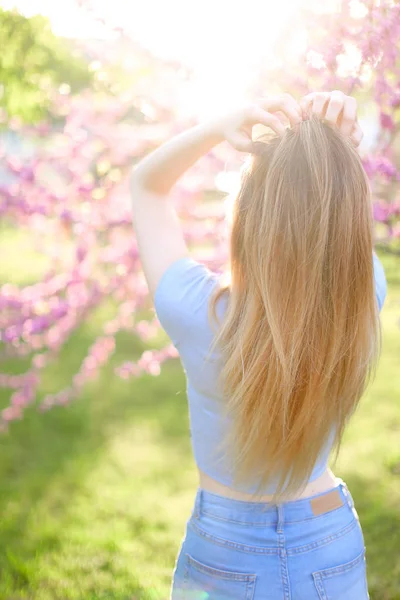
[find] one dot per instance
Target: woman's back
(181, 301)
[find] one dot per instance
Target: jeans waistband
(261, 513)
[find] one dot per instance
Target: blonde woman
(277, 361)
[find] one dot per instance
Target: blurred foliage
(33, 61)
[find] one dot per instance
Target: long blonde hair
(301, 335)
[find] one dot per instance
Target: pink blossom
(387, 121)
(71, 198)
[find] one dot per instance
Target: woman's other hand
(237, 127)
(336, 108)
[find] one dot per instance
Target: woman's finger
(319, 104)
(240, 142)
(265, 118)
(349, 115)
(281, 116)
(335, 107)
(305, 104)
(291, 108)
(293, 113)
(356, 135)
(286, 104)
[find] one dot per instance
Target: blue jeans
(308, 549)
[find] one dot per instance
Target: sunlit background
(96, 471)
(224, 43)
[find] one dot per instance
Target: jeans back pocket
(203, 581)
(347, 581)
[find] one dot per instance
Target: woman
(277, 361)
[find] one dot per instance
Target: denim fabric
(235, 550)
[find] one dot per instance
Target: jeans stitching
(259, 550)
(283, 554)
(265, 523)
(219, 573)
(318, 586)
(324, 541)
(344, 568)
(185, 576)
(227, 543)
(319, 576)
(250, 589)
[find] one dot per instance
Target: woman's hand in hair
(336, 108)
(237, 126)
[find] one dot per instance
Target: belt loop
(347, 494)
(197, 504)
(350, 499)
(281, 518)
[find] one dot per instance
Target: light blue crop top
(181, 301)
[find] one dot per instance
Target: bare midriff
(323, 483)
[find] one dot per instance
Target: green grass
(94, 496)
